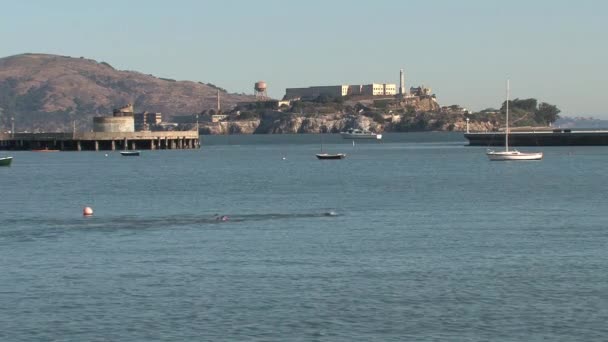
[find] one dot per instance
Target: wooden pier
(100, 141)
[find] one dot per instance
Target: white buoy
(87, 211)
(106, 154)
(284, 158)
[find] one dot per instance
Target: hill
(581, 122)
(49, 92)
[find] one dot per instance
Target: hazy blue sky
(553, 50)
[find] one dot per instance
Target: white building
(374, 89)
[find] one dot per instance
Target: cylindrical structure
(401, 82)
(260, 90)
(113, 124)
(260, 86)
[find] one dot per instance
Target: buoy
(284, 158)
(106, 154)
(87, 211)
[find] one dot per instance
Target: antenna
(507, 128)
(218, 101)
(197, 126)
(401, 83)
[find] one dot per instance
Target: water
(429, 242)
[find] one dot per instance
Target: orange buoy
(87, 211)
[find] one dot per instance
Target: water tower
(259, 89)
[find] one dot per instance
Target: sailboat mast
(507, 128)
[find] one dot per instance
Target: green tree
(528, 105)
(546, 113)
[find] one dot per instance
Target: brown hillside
(47, 92)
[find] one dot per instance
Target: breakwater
(557, 137)
(100, 141)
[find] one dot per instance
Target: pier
(101, 141)
(556, 137)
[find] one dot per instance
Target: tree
(528, 105)
(546, 113)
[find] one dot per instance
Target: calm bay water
(430, 242)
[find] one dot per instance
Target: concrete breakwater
(100, 141)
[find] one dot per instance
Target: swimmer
(221, 218)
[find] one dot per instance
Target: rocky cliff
(280, 123)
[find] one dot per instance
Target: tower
(218, 102)
(401, 83)
(259, 89)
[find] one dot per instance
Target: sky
(552, 50)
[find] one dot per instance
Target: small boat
(129, 153)
(360, 134)
(331, 156)
(6, 161)
(324, 155)
(512, 154)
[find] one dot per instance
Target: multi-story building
(374, 89)
(314, 92)
(379, 89)
(143, 121)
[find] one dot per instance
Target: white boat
(512, 154)
(355, 133)
(130, 153)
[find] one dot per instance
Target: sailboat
(323, 155)
(512, 154)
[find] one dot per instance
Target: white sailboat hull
(514, 155)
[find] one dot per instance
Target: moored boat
(129, 153)
(355, 133)
(514, 155)
(511, 154)
(6, 161)
(331, 156)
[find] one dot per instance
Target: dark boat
(129, 153)
(6, 161)
(324, 155)
(331, 156)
